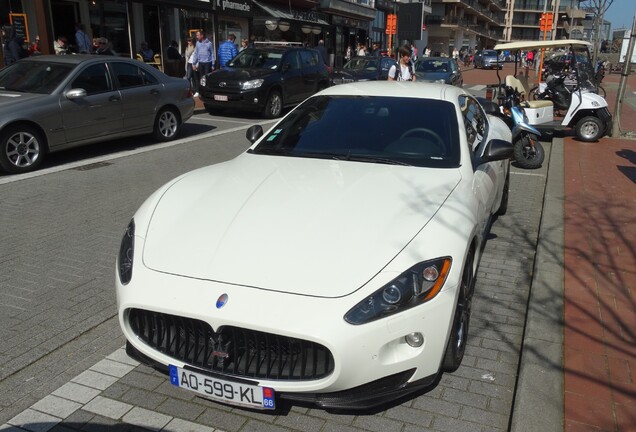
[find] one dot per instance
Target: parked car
(487, 59)
(363, 69)
(265, 79)
(332, 263)
(51, 103)
(443, 70)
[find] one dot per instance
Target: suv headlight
(417, 285)
(249, 85)
(126, 252)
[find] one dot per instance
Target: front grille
(231, 350)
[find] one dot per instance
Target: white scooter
(588, 113)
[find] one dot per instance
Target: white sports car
(332, 262)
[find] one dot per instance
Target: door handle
(113, 99)
(154, 92)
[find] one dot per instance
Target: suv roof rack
(278, 43)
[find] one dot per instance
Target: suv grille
(231, 350)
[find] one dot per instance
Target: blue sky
(621, 13)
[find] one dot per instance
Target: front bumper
(252, 100)
(362, 355)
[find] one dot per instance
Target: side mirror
(496, 150)
(75, 93)
(254, 133)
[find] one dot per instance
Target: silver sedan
(51, 103)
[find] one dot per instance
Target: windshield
(489, 53)
(432, 66)
(33, 77)
(362, 64)
(256, 58)
(387, 130)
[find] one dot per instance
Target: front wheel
(589, 129)
(274, 105)
(22, 149)
(167, 125)
(456, 345)
(528, 151)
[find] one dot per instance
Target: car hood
(432, 76)
(305, 226)
(14, 99)
(236, 74)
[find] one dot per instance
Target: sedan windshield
(256, 58)
(489, 53)
(432, 66)
(33, 77)
(362, 64)
(387, 130)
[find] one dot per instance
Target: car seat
(521, 85)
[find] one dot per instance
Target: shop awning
(292, 14)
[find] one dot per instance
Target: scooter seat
(538, 103)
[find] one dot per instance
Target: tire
(22, 149)
(456, 345)
(528, 152)
(589, 129)
(167, 125)
(274, 106)
(503, 205)
(211, 110)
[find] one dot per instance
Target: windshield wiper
(375, 159)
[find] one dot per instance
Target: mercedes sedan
(332, 263)
(51, 103)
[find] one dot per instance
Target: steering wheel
(438, 143)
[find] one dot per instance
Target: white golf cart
(587, 114)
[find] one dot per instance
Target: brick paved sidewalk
(600, 277)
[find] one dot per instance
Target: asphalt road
(61, 363)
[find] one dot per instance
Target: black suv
(265, 79)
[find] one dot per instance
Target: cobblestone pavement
(62, 366)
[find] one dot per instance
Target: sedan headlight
(250, 85)
(126, 252)
(417, 285)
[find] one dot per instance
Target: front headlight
(441, 81)
(417, 285)
(126, 252)
(249, 85)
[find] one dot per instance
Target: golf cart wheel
(589, 129)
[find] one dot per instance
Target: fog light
(415, 339)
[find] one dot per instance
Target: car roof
(72, 59)
(531, 44)
(404, 89)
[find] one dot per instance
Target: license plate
(232, 392)
(222, 98)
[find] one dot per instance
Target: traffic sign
(391, 23)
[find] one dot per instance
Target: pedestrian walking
(82, 41)
(404, 69)
(13, 46)
(202, 58)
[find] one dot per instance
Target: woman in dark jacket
(13, 46)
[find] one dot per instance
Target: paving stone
(434, 405)
(179, 425)
(121, 357)
(76, 392)
(147, 419)
(409, 415)
(34, 421)
(113, 368)
(93, 379)
(182, 409)
(56, 406)
(221, 419)
(300, 422)
(142, 398)
(141, 380)
(378, 424)
(107, 407)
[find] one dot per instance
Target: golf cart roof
(532, 44)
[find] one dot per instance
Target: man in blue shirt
(227, 50)
(202, 57)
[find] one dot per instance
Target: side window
(475, 121)
(94, 79)
(308, 58)
(293, 60)
(130, 75)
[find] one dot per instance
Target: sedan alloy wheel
(22, 149)
(166, 125)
